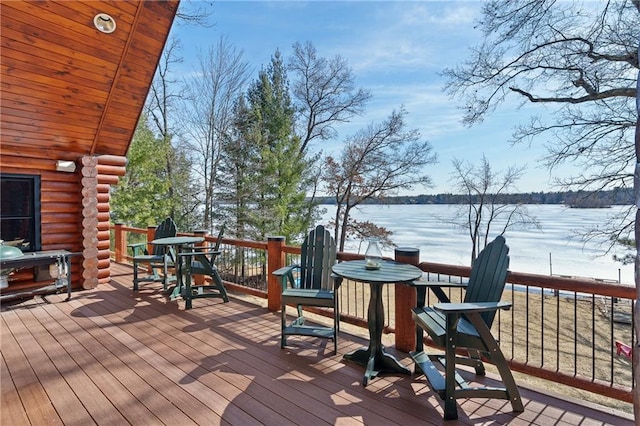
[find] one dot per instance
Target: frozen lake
(555, 248)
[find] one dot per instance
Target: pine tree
(140, 198)
(280, 205)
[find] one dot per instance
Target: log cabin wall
(71, 92)
(60, 213)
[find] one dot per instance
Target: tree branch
(628, 92)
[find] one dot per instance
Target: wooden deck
(109, 356)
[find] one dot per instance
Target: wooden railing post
(151, 233)
(120, 242)
(275, 260)
(199, 279)
(405, 301)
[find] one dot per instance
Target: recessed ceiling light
(104, 23)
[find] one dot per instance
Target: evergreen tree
(236, 186)
(280, 206)
(140, 198)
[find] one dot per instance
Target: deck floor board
(112, 356)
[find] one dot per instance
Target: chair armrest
(285, 270)
(286, 276)
(441, 284)
(199, 252)
(466, 308)
(206, 252)
(138, 248)
(436, 287)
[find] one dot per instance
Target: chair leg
(300, 319)
(450, 406)
(283, 317)
(165, 277)
(509, 382)
(217, 280)
(500, 362)
(336, 324)
(135, 275)
(188, 295)
(476, 362)
(336, 327)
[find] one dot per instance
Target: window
(20, 211)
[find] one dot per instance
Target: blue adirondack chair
(456, 327)
(311, 283)
(159, 258)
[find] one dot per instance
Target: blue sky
(396, 50)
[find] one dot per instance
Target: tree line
(577, 199)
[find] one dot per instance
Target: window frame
(35, 215)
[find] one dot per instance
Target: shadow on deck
(109, 356)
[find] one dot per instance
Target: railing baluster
(542, 327)
(527, 326)
(575, 333)
(593, 336)
(557, 331)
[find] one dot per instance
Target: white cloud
(408, 36)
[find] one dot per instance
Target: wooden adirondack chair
(159, 258)
(311, 283)
(201, 261)
(459, 326)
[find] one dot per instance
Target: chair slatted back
(216, 246)
(489, 275)
(205, 264)
(166, 229)
(317, 258)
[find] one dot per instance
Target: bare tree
(325, 91)
(208, 114)
(577, 58)
(582, 59)
(161, 106)
(376, 162)
(194, 12)
(325, 94)
(484, 213)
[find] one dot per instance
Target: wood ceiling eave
(67, 90)
(114, 87)
(140, 54)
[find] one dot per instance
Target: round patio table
(375, 360)
(177, 243)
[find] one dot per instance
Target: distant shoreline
(574, 199)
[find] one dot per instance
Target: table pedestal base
(373, 358)
(376, 364)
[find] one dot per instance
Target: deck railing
(564, 329)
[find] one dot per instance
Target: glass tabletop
(389, 272)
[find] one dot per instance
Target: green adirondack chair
(201, 261)
(456, 327)
(158, 258)
(311, 283)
